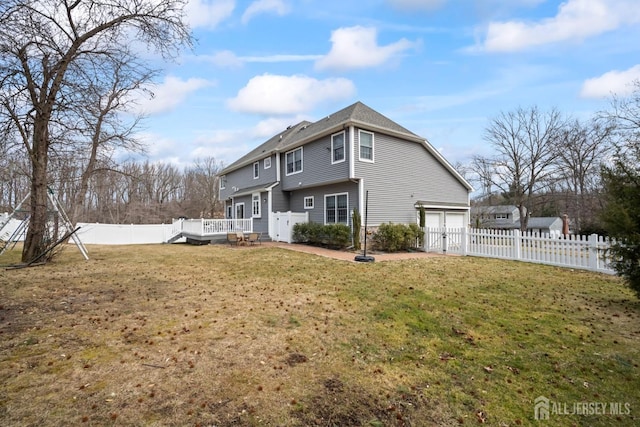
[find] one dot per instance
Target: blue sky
(441, 68)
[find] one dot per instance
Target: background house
(507, 217)
(326, 168)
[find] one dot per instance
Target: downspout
(352, 157)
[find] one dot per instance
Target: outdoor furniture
(236, 238)
(252, 238)
(231, 238)
(240, 239)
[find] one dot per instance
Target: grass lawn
(177, 335)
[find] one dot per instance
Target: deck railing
(208, 227)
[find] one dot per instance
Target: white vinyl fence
(582, 252)
(124, 234)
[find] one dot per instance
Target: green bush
(330, 235)
(397, 237)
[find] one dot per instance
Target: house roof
(357, 114)
(497, 209)
(543, 221)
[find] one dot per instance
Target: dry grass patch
(212, 335)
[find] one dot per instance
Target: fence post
(517, 244)
(593, 252)
(444, 240)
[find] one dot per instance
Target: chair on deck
(252, 238)
(235, 238)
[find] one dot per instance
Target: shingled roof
(303, 132)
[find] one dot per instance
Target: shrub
(357, 224)
(397, 237)
(331, 235)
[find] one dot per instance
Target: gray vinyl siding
(317, 213)
(243, 177)
(280, 201)
(403, 173)
(316, 165)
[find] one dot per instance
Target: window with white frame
(294, 161)
(308, 202)
(366, 146)
(256, 210)
(256, 170)
(336, 208)
(337, 148)
(239, 210)
(223, 182)
(267, 163)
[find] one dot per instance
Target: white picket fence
(582, 252)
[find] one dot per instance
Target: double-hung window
(294, 161)
(255, 206)
(366, 146)
(336, 209)
(337, 148)
(223, 182)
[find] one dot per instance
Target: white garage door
(455, 220)
(434, 219)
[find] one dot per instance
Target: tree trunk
(34, 243)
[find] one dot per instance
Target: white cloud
(575, 21)
(613, 82)
(168, 95)
(208, 13)
(357, 47)
(410, 5)
(264, 6)
(279, 95)
(225, 59)
(228, 59)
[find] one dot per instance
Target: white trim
(373, 152)
(352, 162)
(267, 162)
(256, 170)
(253, 201)
(344, 148)
(305, 202)
(287, 173)
(223, 182)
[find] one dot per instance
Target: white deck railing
(583, 252)
(209, 227)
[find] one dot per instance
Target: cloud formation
(228, 59)
(576, 20)
(357, 47)
(270, 94)
(168, 95)
(613, 82)
(264, 6)
(207, 14)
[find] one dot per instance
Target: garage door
(434, 219)
(455, 220)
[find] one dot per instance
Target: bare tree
(204, 190)
(524, 142)
(101, 119)
(579, 153)
(45, 46)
